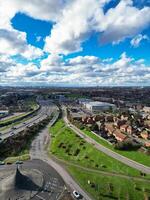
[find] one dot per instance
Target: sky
(75, 43)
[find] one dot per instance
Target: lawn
(134, 155)
(103, 187)
(68, 146)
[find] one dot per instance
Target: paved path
(38, 151)
(107, 151)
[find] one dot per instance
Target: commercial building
(95, 106)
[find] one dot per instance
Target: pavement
(53, 185)
(123, 159)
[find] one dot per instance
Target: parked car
(77, 195)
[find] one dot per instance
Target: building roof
(98, 103)
(118, 134)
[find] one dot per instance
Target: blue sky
(96, 42)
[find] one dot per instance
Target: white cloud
(76, 20)
(82, 17)
(79, 71)
(123, 21)
(135, 42)
(73, 27)
(14, 43)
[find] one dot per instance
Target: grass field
(70, 147)
(134, 155)
(103, 187)
(12, 160)
(84, 163)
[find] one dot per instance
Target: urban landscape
(74, 140)
(74, 99)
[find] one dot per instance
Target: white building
(95, 106)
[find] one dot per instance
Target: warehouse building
(95, 106)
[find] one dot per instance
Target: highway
(44, 111)
(38, 151)
(105, 150)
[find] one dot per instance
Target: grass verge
(103, 187)
(68, 146)
(134, 155)
(12, 160)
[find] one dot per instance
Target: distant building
(146, 109)
(4, 112)
(95, 106)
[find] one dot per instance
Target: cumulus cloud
(73, 28)
(14, 42)
(81, 70)
(75, 20)
(123, 21)
(136, 41)
(82, 17)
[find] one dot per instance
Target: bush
(127, 145)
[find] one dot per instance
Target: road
(38, 151)
(105, 150)
(53, 185)
(44, 111)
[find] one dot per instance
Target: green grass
(11, 119)
(14, 124)
(14, 118)
(111, 187)
(57, 126)
(15, 158)
(134, 155)
(68, 146)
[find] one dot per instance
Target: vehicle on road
(77, 195)
(18, 162)
(2, 163)
(12, 133)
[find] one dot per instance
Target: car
(77, 195)
(18, 162)
(2, 163)
(12, 133)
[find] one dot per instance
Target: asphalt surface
(44, 111)
(38, 151)
(107, 151)
(53, 185)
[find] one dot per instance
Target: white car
(77, 195)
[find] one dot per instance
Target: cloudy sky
(75, 42)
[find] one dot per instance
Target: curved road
(42, 114)
(105, 150)
(38, 151)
